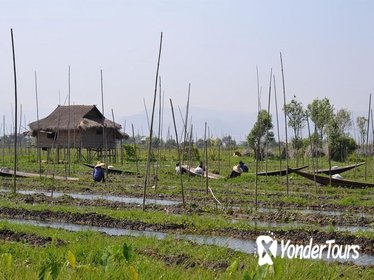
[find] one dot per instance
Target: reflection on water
(245, 246)
(131, 200)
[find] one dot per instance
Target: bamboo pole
(312, 149)
(158, 134)
(206, 162)
(146, 114)
(367, 140)
(185, 124)
(267, 131)
(104, 145)
(151, 127)
(15, 115)
(279, 141)
(135, 149)
(114, 135)
(3, 152)
(69, 121)
(190, 150)
(179, 152)
(285, 120)
(257, 142)
(38, 156)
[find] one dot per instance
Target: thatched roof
(79, 117)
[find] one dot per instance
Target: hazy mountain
(236, 124)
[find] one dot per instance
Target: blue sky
(327, 51)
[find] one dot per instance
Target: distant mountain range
(219, 124)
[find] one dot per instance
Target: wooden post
(267, 131)
(285, 120)
(367, 141)
(15, 115)
(206, 162)
(69, 121)
(179, 153)
(312, 149)
(151, 127)
(279, 143)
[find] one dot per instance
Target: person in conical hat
(98, 172)
(236, 171)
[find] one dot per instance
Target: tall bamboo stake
(3, 152)
(104, 149)
(151, 127)
(135, 149)
(15, 115)
(178, 149)
(114, 135)
(367, 140)
(69, 121)
(190, 150)
(312, 148)
(158, 134)
(146, 114)
(285, 119)
(185, 124)
(206, 162)
(278, 134)
(38, 155)
(372, 131)
(267, 130)
(257, 143)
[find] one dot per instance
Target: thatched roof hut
(85, 124)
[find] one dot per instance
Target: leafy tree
(343, 119)
(320, 112)
(361, 124)
(259, 131)
(340, 144)
(296, 120)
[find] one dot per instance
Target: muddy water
(131, 200)
(245, 246)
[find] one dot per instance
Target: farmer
(98, 172)
(236, 171)
(179, 169)
(200, 169)
(243, 166)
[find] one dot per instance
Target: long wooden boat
(338, 170)
(334, 182)
(191, 171)
(5, 172)
(111, 170)
(282, 172)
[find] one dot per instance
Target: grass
(156, 259)
(149, 258)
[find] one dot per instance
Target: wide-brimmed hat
(100, 164)
(237, 169)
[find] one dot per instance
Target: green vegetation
(90, 255)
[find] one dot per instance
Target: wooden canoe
(282, 172)
(5, 172)
(334, 182)
(191, 171)
(111, 170)
(338, 170)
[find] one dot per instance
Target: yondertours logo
(267, 249)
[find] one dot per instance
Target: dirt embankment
(32, 239)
